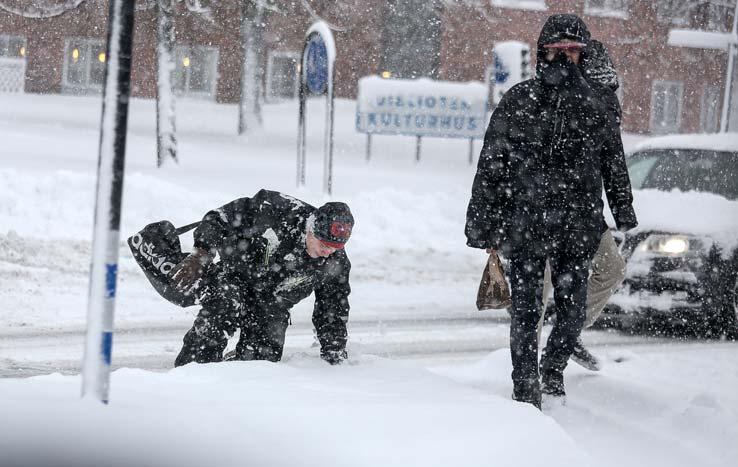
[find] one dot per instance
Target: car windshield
(685, 170)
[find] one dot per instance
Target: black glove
(334, 357)
(187, 273)
(625, 218)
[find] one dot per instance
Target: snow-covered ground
(424, 386)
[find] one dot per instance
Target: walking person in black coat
(274, 251)
(551, 144)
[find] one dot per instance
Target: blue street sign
(501, 71)
(316, 65)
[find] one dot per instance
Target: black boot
(202, 344)
(552, 383)
(552, 374)
(528, 392)
(583, 357)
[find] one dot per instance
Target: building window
(706, 15)
(282, 75)
(84, 65)
(521, 4)
(609, 8)
(12, 47)
(196, 71)
(666, 106)
(714, 16)
(411, 39)
(672, 11)
(12, 63)
(710, 109)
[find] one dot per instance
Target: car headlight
(670, 245)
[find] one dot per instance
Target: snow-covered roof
(713, 141)
(700, 39)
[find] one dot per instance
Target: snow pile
(644, 408)
(302, 412)
(60, 206)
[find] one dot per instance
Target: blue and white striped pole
(110, 170)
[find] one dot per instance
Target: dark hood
(558, 27)
(598, 67)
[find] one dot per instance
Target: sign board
(316, 65)
(510, 65)
(421, 107)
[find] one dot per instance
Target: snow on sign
(421, 107)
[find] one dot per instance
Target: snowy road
(429, 341)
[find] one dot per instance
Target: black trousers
(570, 254)
(227, 306)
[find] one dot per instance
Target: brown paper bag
(494, 292)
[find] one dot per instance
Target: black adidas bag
(157, 250)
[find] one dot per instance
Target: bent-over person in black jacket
(273, 251)
(551, 144)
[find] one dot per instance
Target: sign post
(110, 170)
(316, 79)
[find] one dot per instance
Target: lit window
(84, 65)
(12, 46)
(196, 71)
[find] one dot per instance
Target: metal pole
(471, 151)
(110, 171)
(303, 138)
(301, 135)
(301, 120)
(328, 164)
(417, 149)
(368, 147)
(732, 50)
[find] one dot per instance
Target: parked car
(682, 260)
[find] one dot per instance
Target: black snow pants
(570, 254)
(228, 305)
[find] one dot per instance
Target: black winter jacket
(547, 151)
(261, 245)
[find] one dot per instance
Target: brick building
(665, 88)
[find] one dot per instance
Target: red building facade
(664, 88)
